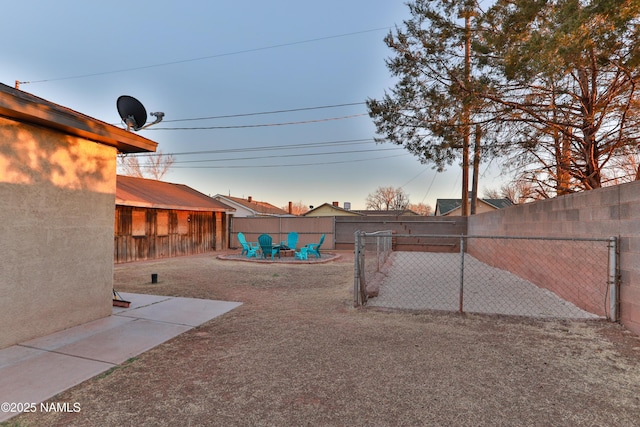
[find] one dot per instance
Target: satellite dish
(133, 113)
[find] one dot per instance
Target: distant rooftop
(260, 208)
(445, 206)
(149, 193)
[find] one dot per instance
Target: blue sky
(206, 59)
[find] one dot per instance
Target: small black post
(154, 278)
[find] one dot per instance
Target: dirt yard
(297, 353)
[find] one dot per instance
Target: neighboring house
(156, 219)
(453, 207)
(57, 188)
(250, 208)
(327, 209)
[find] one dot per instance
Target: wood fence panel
(181, 233)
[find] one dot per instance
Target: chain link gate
(522, 276)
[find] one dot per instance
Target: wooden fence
(142, 234)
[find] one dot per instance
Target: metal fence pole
(461, 275)
(613, 279)
(377, 253)
(356, 272)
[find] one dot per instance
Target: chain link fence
(534, 277)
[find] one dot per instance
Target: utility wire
(219, 55)
(284, 156)
(265, 112)
(285, 166)
(262, 148)
(429, 189)
(412, 179)
(259, 125)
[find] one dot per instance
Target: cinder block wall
(57, 203)
(602, 213)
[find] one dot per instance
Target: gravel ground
(297, 353)
(428, 280)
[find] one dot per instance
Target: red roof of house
(149, 193)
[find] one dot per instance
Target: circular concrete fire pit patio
(326, 257)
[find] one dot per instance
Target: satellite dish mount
(133, 113)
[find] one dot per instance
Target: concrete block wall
(601, 213)
(576, 271)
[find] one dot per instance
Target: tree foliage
(565, 75)
(420, 208)
(388, 199)
(518, 192)
(553, 83)
(156, 166)
(297, 208)
(423, 112)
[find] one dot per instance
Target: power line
(412, 179)
(284, 156)
(219, 55)
(266, 112)
(259, 125)
(263, 148)
(286, 166)
(429, 189)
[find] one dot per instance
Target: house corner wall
(57, 202)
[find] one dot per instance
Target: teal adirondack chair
(292, 241)
(250, 249)
(302, 254)
(266, 245)
(314, 248)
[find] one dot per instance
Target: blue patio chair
(292, 241)
(250, 249)
(314, 248)
(266, 245)
(302, 254)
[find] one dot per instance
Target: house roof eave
(24, 107)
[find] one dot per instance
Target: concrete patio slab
(38, 369)
(75, 334)
(42, 376)
(117, 345)
(182, 311)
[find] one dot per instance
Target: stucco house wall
(57, 204)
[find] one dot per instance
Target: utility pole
(466, 114)
(476, 166)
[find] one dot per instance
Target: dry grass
(296, 353)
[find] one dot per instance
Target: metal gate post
(461, 274)
(356, 271)
(378, 254)
(613, 280)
